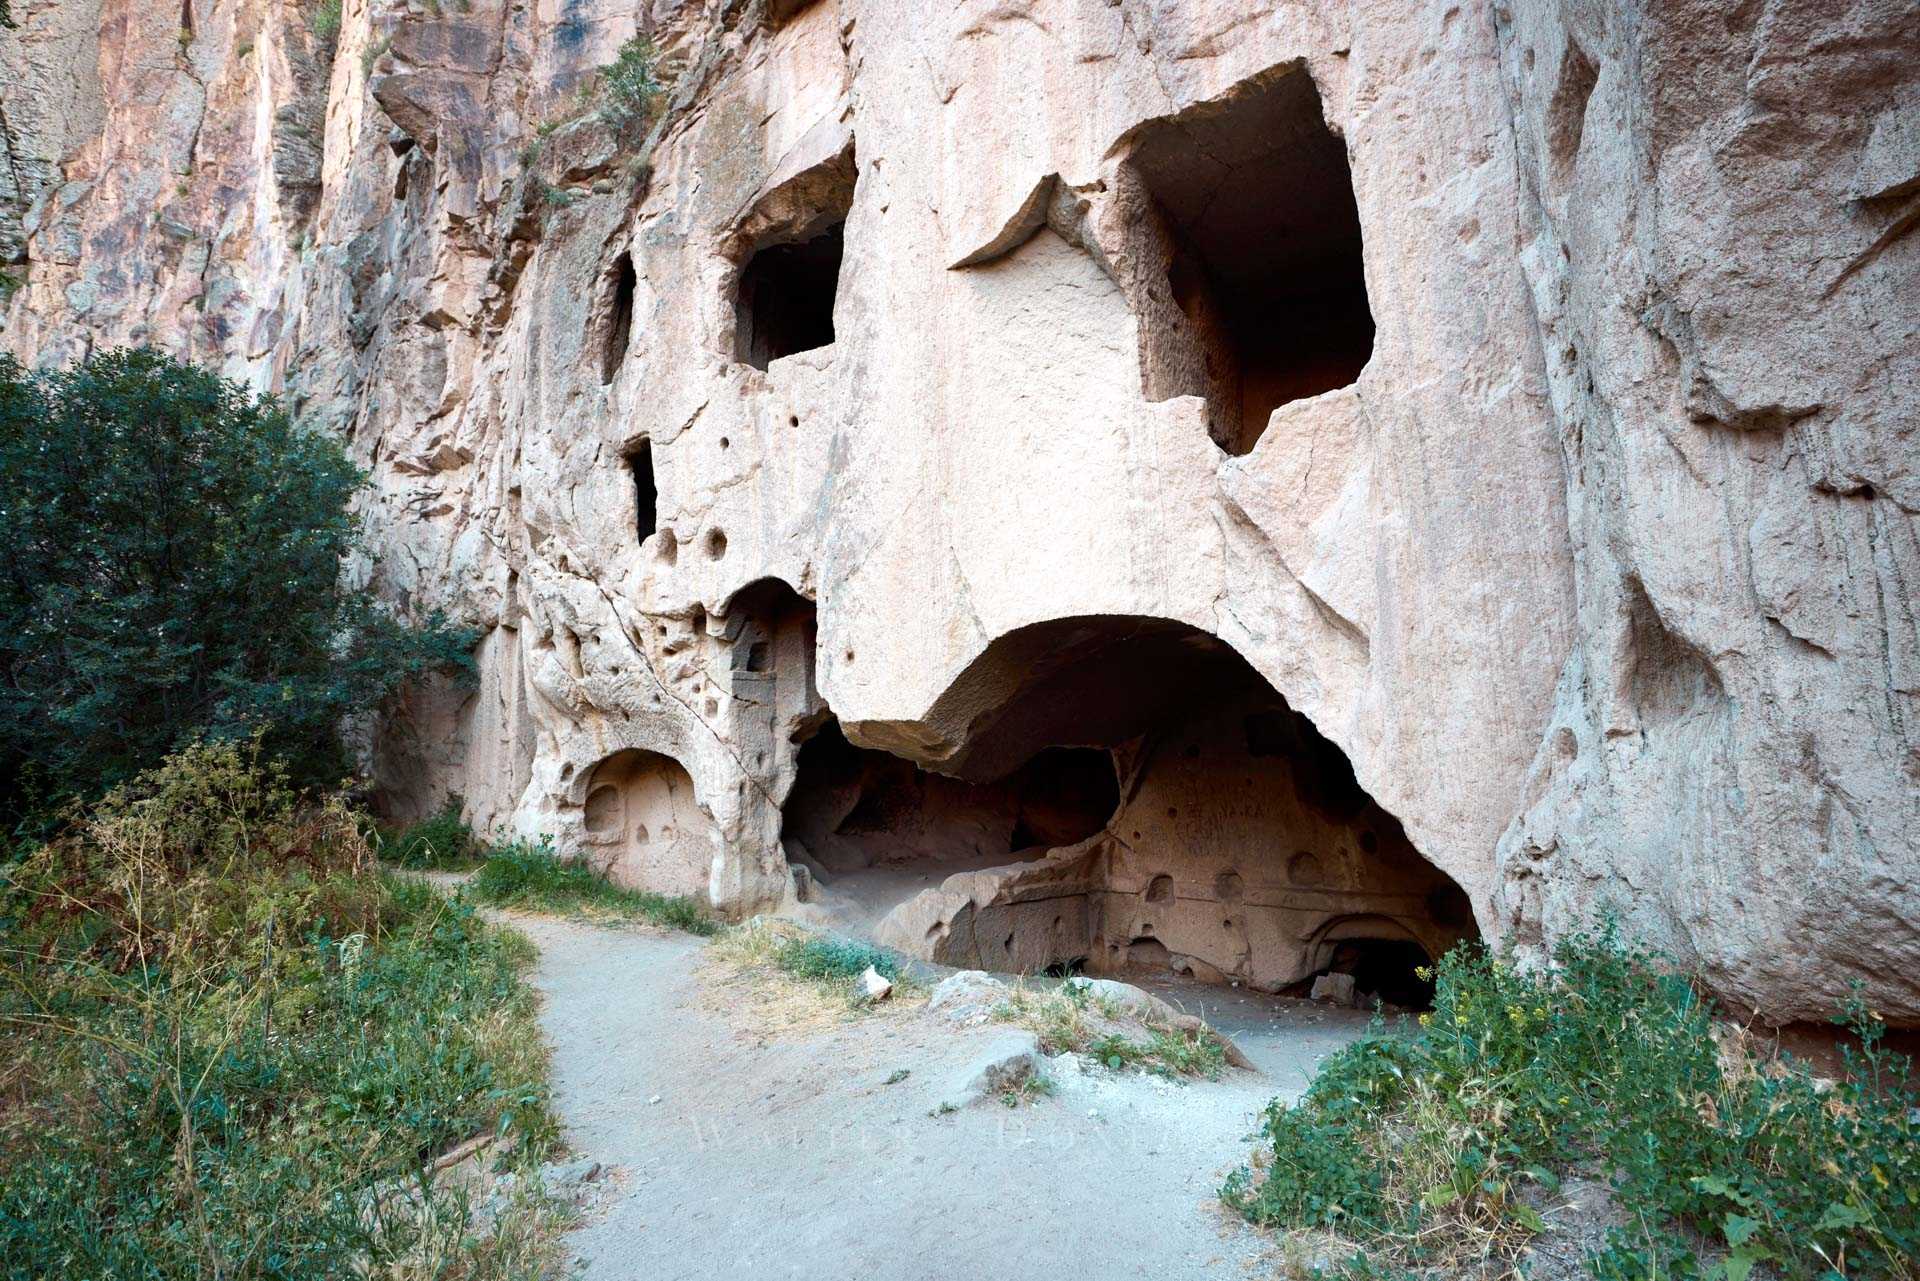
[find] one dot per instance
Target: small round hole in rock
(716, 544)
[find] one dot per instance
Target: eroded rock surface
(1523, 395)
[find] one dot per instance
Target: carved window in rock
(781, 12)
(788, 249)
(786, 298)
(646, 496)
(1248, 201)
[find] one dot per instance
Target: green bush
(1609, 1064)
(530, 875)
(241, 1048)
(834, 958)
(442, 842)
(630, 85)
(325, 22)
(171, 550)
(199, 861)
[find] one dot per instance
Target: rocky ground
(733, 1148)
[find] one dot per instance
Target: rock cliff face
(1187, 482)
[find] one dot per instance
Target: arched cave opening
(644, 826)
(1252, 210)
(781, 12)
(1240, 845)
(770, 631)
(785, 302)
(619, 319)
(1391, 970)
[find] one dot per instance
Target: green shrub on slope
(1431, 1147)
(237, 1050)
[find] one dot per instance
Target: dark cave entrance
(1240, 847)
(785, 302)
(1388, 969)
(1265, 295)
(871, 832)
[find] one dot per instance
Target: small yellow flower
(1426, 1020)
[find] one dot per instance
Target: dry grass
(1073, 1017)
(744, 978)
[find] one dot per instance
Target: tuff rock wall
(1600, 572)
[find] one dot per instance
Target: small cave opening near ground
(645, 828)
(1264, 297)
(1127, 796)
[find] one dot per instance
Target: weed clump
(441, 842)
(239, 1050)
(1437, 1148)
(530, 875)
(789, 977)
(1074, 1017)
(199, 861)
(835, 959)
(325, 19)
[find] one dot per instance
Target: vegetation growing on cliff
(171, 556)
(630, 85)
(325, 21)
(1444, 1148)
(233, 1048)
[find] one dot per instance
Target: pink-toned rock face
(1525, 392)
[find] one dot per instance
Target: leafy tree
(631, 82)
(170, 568)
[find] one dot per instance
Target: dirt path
(739, 1156)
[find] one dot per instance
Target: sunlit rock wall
(1600, 571)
